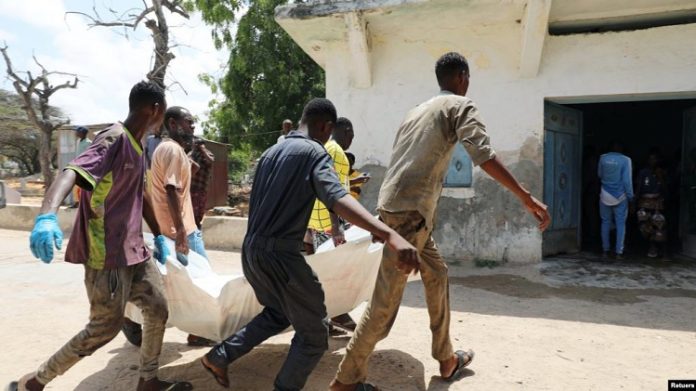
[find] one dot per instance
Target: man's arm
(149, 216)
(351, 210)
(175, 213)
(60, 188)
(495, 168)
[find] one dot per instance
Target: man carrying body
(169, 190)
(108, 240)
(407, 203)
(289, 177)
(323, 224)
(169, 194)
(615, 173)
(203, 159)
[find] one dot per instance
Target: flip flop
(463, 360)
(221, 380)
(177, 386)
(365, 387)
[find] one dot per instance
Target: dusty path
(563, 325)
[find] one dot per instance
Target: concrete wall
(486, 222)
(219, 232)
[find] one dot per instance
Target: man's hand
(338, 238)
(182, 242)
(364, 178)
(407, 253)
(44, 236)
(539, 210)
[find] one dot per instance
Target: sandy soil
(546, 327)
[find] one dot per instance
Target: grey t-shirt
(289, 177)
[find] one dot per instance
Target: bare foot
(448, 366)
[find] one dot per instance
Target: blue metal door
(562, 177)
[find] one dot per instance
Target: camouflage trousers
(381, 311)
(108, 291)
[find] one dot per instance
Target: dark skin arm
(351, 210)
(495, 168)
(149, 216)
(175, 213)
(60, 188)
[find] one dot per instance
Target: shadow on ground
(639, 293)
(257, 370)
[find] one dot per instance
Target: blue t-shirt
(615, 172)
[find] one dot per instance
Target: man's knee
(96, 335)
(157, 311)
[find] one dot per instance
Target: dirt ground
(562, 324)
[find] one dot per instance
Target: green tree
(269, 78)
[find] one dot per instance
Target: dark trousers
(292, 295)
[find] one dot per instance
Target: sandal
(222, 380)
(365, 387)
(463, 360)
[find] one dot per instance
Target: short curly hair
(145, 93)
(449, 65)
(319, 109)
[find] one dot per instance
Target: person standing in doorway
(616, 191)
(108, 240)
(407, 203)
(651, 191)
(289, 177)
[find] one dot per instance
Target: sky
(107, 63)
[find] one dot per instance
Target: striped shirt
(321, 220)
(108, 227)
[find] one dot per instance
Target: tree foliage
(269, 78)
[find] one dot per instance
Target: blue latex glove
(161, 249)
(182, 258)
(45, 234)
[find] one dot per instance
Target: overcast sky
(107, 63)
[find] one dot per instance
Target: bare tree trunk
(45, 157)
(39, 88)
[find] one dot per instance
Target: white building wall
(645, 64)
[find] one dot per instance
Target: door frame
(551, 238)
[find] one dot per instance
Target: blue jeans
(195, 242)
(618, 214)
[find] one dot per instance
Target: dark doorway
(643, 127)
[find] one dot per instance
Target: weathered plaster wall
(488, 223)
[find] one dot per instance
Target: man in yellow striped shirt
(324, 224)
